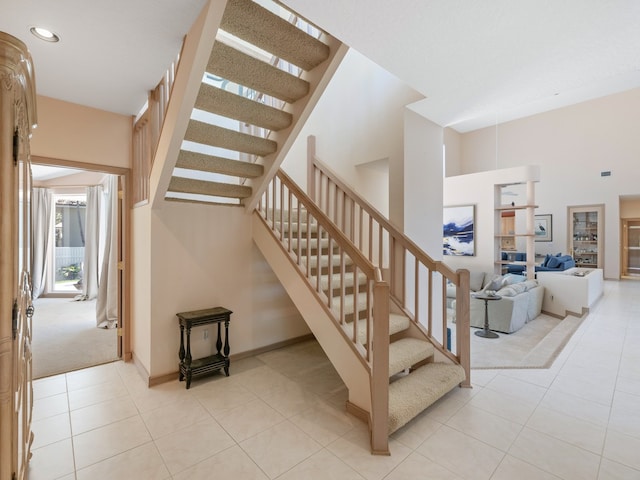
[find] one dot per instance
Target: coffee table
(485, 332)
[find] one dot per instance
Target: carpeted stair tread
(240, 68)
(213, 135)
(324, 261)
(215, 100)
(397, 324)
(406, 352)
(324, 243)
(210, 163)
(413, 393)
(257, 25)
(335, 280)
(201, 187)
(295, 226)
(201, 201)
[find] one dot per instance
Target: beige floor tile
(52, 462)
(512, 468)
(51, 430)
(50, 406)
(173, 417)
(263, 380)
(462, 454)
(418, 467)
(249, 419)
(280, 448)
(555, 456)
(143, 462)
(486, 427)
(504, 405)
(231, 463)
(220, 397)
(105, 442)
(517, 388)
(610, 470)
(187, 447)
(89, 377)
(101, 414)
(623, 449)
(625, 414)
(572, 430)
(542, 377)
(99, 393)
(628, 385)
(291, 400)
(583, 388)
(480, 378)
(577, 407)
(48, 386)
(324, 423)
(322, 466)
(160, 396)
(416, 431)
(354, 449)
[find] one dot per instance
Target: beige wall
(358, 120)
(572, 146)
(72, 132)
(203, 256)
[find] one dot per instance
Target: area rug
(536, 345)
(65, 337)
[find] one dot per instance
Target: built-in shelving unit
(586, 233)
(631, 247)
(515, 221)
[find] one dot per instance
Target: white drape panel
(90, 272)
(107, 303)
(41, 228)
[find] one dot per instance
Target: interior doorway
(79, 287)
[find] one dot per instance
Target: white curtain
(41, 228)
(107, 304)
(90, 267)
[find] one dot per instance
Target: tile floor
(280, 415)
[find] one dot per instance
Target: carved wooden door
(17, 118)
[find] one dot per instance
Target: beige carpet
(536, 345)
(65, 337)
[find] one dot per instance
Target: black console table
(202, 366)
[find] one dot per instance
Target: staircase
(263, 76)
(415, 368)
(247, 81)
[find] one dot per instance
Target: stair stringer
(318, 80)
(352, 369)
(193, 61)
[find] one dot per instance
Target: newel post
(380, 371)
(463, 335)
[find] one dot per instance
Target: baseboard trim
(358, 412)
(142, 371)
(168, 377)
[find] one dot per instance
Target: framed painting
(458, 230)
(542, 228)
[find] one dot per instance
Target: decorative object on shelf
(542, 228)
(458, 230)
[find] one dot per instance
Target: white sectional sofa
(521, 301)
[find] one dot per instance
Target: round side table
(485, 332)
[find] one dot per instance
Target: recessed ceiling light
(44, 34)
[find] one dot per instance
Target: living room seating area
(551, 263)
(521, 300)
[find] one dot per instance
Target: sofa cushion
(475, 281)
(507, 291)
(554, 262)
(510, 279)
(529, 284)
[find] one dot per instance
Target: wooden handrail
(395, 251)
(282, 208)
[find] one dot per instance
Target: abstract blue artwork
(458, 230)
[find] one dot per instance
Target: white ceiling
(478, 63)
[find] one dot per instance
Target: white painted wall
(572, 146)
(359, 119)
(201, 257)
(478, 189)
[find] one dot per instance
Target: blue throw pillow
(546, 260)
(554, 262)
